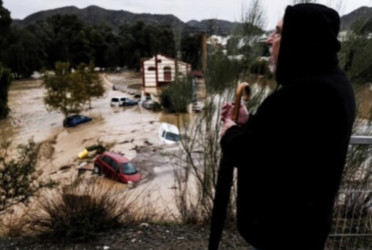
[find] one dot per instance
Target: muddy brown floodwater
(129, 130)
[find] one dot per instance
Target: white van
(116, 101)
(168, 133)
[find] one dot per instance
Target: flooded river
(129, 130)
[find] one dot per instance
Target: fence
(352, 220)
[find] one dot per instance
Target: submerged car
(148, 104)
(116, 167)
(122, 101)
(115, 101)
(127, 102)
(168, 133)
(73, 120)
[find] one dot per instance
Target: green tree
(140, 41)
(102, 42)
(68, 92)
(5, 81)
(18, 175)
(191, 49)
(24, 54)
(5, 76)
(5, 22)
(172, 100)
(91, 83)
(68, 41)
(60, 95)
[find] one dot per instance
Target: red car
(116, 167)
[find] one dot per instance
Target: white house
(160, 70)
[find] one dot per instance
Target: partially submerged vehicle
(116, 167)
(168, 133)
(122, 101)
(74, 120)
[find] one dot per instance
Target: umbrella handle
(242, 88)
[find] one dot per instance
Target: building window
(167, 73)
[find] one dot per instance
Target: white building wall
(163, 62)
(183, 68)
(150, 75)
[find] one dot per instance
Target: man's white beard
(272, 67)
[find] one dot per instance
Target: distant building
(160, 70)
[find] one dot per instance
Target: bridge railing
(352, 219)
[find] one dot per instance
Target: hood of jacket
(309, 43)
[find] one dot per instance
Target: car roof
(169, 127)
(76, 115)
(117, 157)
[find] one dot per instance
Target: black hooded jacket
(291, 153)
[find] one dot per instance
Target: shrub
(18, 176)
(81, 211)
(175, 97)
(5, 81)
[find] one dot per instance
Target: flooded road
(28, 117)
(128, 130)
(131, 131)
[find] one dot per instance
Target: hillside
(362, 12)
(95, 15)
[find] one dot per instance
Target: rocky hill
(362, 12)
(95, 15)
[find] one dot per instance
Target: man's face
(274, 41)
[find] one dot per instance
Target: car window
(128, 168)
(114, 165)
(115, 99)
(107, 160)
(172, 136)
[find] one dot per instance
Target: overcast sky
(185, 10)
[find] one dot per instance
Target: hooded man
(291, 154)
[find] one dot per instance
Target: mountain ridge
(95, 15)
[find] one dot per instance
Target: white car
(122, 101)
(168, 133)
(116, 101)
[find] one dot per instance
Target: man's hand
(227, 110)
(226, 125)
(226, 113)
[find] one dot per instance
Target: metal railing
(352, 219)
(361, 140)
